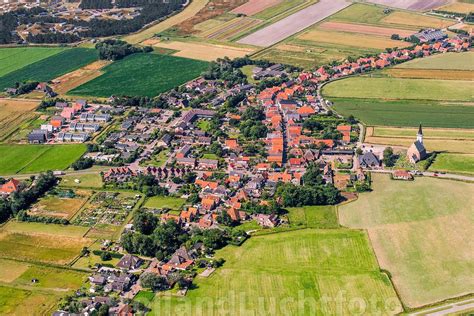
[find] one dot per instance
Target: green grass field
(15, 58)
(313, 217)
(455, 163)
(450, 61)
(164, 202)
(290, 274)
(92, 180)
(38, 158)
(406, 112)
(396, 88)
(418, 230)
(51, 67)
(152, 75)
(26, 302)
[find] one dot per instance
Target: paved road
(294, 23)
(447, 309)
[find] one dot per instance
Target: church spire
(419, 136)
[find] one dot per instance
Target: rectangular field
(228, 30)
(13, 113)
(448, 61)
(305, 265)
(294, 23)
(41, 242)
(164, 202)
(430, 74)
(454, 163)
(151, 76)
(419, 5)
(406, 113)
(32, 302)
(395, 88)
(313, 217)
(405, 220)
(60, 207)
(364, 29)
(51, 67)
(38, 158)
(15, 58)
(255, 6)
(412, 19)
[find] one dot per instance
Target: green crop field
(418, 230)
(313, 217)
(450, 61)
(142, 75)
(406, 112)
(164, 202)
(455, 163)
(396, 88)
(12, 59)
(38, 158)
(292, 273)
(51, 67)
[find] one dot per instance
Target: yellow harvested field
(405, 18)
(207, 52)
(458, 7)
(364, 29)
(229, 29)
(11, 270)
(191, 10)
(431, 74)
(348, 39)
(78, 77)
(14, 112)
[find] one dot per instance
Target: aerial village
(237, 152)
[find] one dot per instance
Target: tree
(105, 256)
(103, 310)
(359, 151)
(153, 281)
(145, 222)
(388, 157)
(225, 219)
(395, 37)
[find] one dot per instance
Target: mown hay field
(407, 112)
(39, 242)
(458, 7)
(454, 163)
(364, 29)
(152, 75)
(298, 268)
(15, 58)
(13, 113)
(418, 230)
(38, 158)
(51, 67)
(395, 88)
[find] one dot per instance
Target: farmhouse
(38, 136)
(369, 160)
(417, 150)
(129, 262)
(402, 175)
(10, 187)
(430, 35)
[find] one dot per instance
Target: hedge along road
(294, 23)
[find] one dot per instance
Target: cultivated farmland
(406, 113)
(449, 61)
(416, 20)
(38, 158)
(395, 88)
(51, 67)
(255, 6)
(420, 5)
(305, 264)
(418, 230)
(294, 23)
(15, 58)
(151, 76)
(13, 113)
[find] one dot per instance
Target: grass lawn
(449, 61)
(396, 88)
(144, 297)
(164, 202)
(52, 278)
(275, 273)
(152, 75)
(93, 180)
(313, 217)
(51, 67)
(38, 158)
(15, 301)
(204, 125)
(418, 230)
(406, 113)
(41, 242)
(455, 163)
(15, 58)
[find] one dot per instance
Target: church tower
(419, 136)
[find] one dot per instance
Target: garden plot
(60, 204)
(107, 208)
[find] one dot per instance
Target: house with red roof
(10, 187)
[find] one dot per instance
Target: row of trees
(115, 49)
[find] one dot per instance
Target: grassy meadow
(164, 202)
(418, 230)
(51, 67)
(15, 58)
(313, 217)
(38, 158)
(291, 273)
(406, 112)
(449, 61)
(454, 163)
(32, 302)
(152, 75)
(93, 180)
